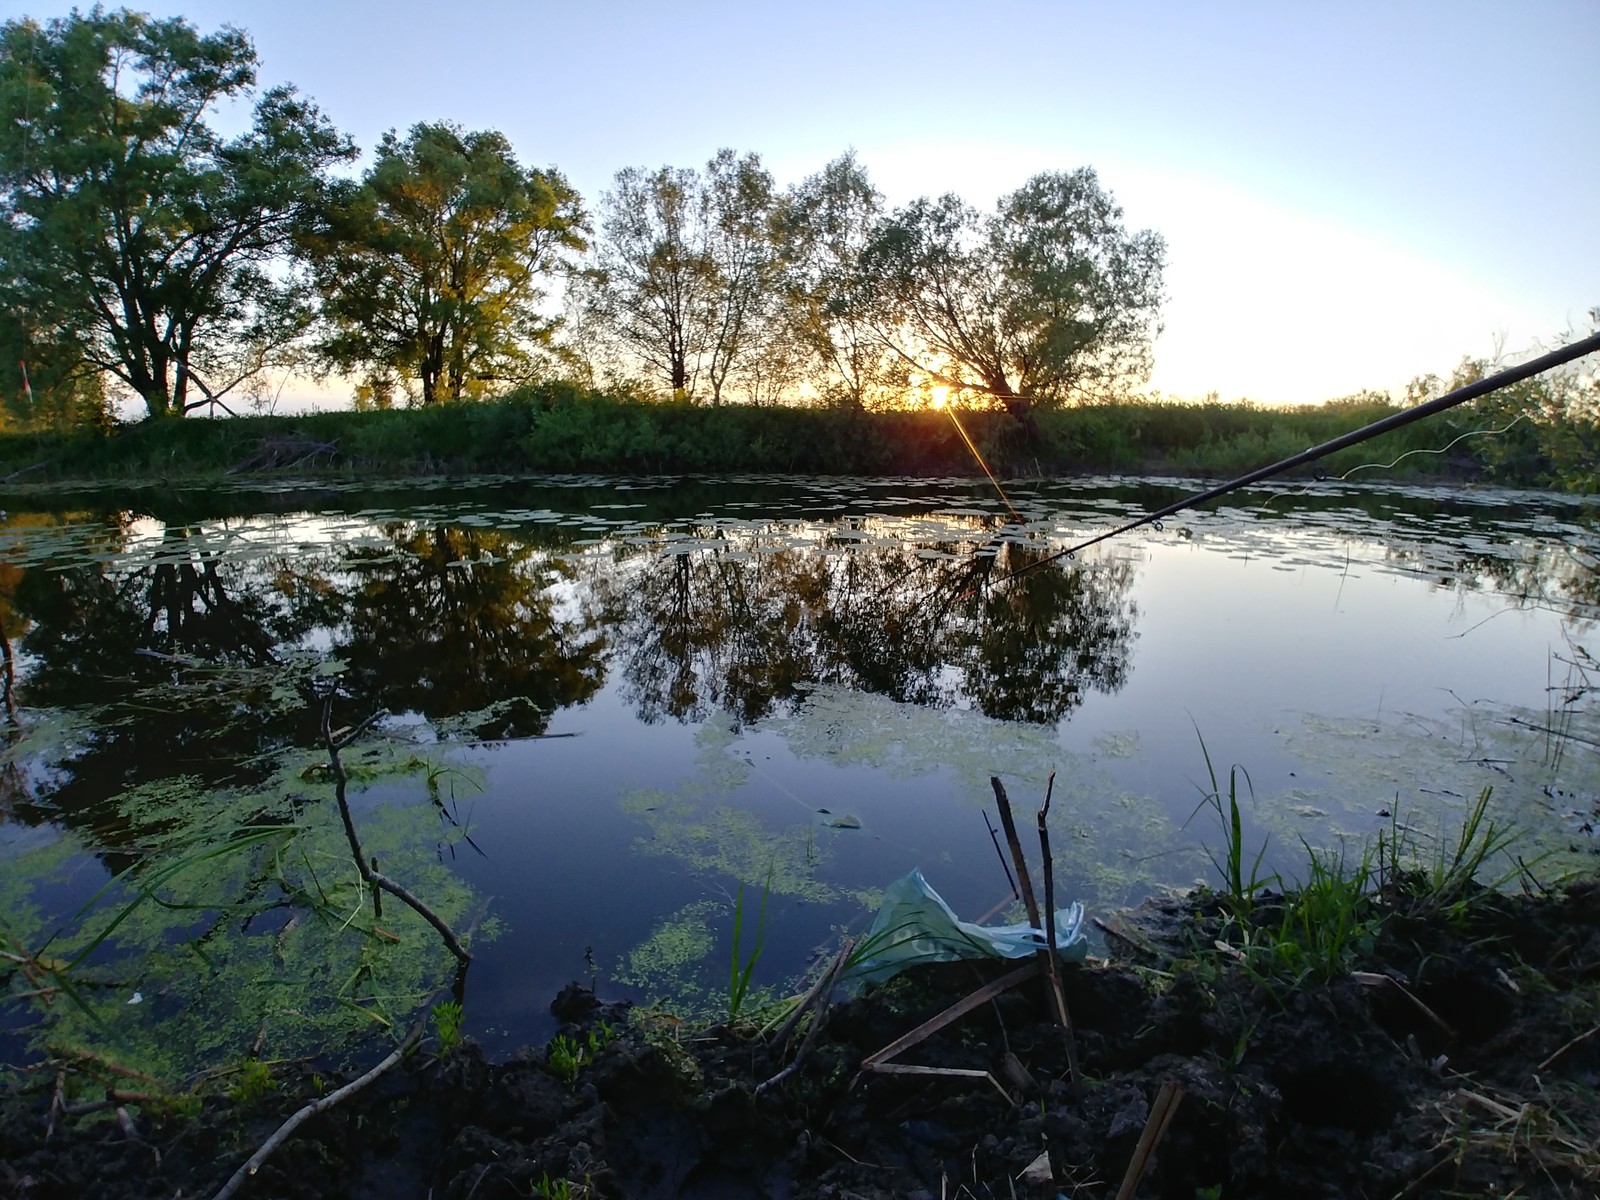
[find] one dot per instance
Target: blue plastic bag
(915, 925)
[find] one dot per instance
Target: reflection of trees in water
(174, 657)
(452, 620)
(1561, 574)
(741, 629)
(185, 658)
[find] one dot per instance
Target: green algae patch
(235, 925)
(1427, 772)
(672, 966)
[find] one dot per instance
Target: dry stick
(1001, 855)
(368, 873)
(1582, 1037)
(1003, 803)
(253, 1164)
(945, 1072)
(824, 980)
(829, 978)
(1052, 994)
(1376, 979)
(58, 1104)
(1154, 1130)
(954, 1013)
(1052, 959)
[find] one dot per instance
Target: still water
(620, 713)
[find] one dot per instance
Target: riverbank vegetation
(1538, 433)
(168, 265)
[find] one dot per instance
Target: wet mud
(1451, 1062)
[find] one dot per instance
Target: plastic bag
(915, 925)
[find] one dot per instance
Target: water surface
(612, 704)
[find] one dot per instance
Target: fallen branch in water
(369, 872)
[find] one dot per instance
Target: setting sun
(938, 395)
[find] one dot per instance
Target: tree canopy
(1046, 299)
(432, 267)
(143, 251)
(133, 228)
(684, 275)
(825, 225)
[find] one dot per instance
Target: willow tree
(133, 226)
(1047, 299)
(433, 266)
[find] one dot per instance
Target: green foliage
(1239, 890)
(240, 908)
(824, 225)
(1446, 879)
(559, 1189)
(1329, 918)
(566, 1056)
(431, 266)
(133, 230)
(253, 1081)
(1046, 300)
(565, 428)
(684, 281)
(740, 968)
(447, 1017)
(59, 392)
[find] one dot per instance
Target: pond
(627, 722)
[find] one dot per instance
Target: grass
(1445, 881)
(1239, 890)
(561, 427)
(566, 1055)
(741, 969)
(1330, 919)
(1323, 924)
(447, 1017)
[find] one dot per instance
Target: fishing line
(1451, 399)
(1440, 450)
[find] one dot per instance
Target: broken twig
(1575, 1042)
(253, 1163)
(1155, 1128)
(954, 1013)
(1052, 959)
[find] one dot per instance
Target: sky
(1352, 193)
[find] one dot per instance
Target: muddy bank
(1452, 1062)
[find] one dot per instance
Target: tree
(431, 267)
(684, 270)
(132, 224)
(826, 224)
(1048, 298)
(739, 193)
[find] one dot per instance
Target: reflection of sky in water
(1344, 646)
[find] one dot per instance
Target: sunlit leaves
(433, 267)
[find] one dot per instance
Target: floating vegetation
(235, 922)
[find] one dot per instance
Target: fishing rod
(1490, 383)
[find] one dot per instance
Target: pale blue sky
(1352, 193)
